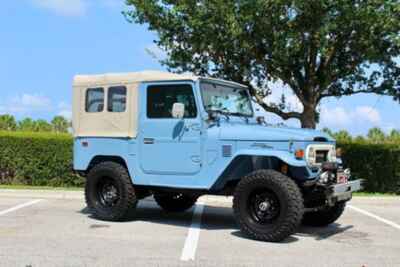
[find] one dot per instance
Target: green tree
(343, 136)
(376, 135)
(60, 124)
(318, 49)
(359, 139)
(27, 125)
(7, 123)
(394, 136)
(328, 131)
(42, 126)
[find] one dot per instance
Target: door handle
(148, 141)
(195, 127)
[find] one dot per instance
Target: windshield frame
(230, 85)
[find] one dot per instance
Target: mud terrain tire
(109, 192)
(276, 192)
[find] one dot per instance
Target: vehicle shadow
(215, 218)
(326, 232)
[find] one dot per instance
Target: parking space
(60, 232)
(355, 240)
(385, 207)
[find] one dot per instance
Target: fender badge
(262, 145)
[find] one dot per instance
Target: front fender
(285, 156)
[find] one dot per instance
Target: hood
(256, 132)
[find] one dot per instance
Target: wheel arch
(247, 162)
(103, 158)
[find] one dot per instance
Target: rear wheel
(325, 216)
(268, 205)
(174, 202)
(109, 191)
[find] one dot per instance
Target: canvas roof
(137, 77)
(130, 77)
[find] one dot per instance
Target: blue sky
(44, 43)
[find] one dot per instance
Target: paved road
(48, 231)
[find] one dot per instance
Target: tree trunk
(308, 117)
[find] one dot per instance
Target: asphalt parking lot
(54, 229)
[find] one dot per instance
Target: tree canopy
(58, 124)
(316, 48)
(7, 122)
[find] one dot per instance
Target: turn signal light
(299, 154)
(338, 152)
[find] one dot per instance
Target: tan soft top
(130, 77)
(116, 124)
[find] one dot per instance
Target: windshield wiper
(239, 114)
(245, 117)
(218, 111)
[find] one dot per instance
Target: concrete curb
(45, 194)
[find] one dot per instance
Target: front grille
(321, 156)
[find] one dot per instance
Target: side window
(116, 99)
(160, 99)
(94, 100)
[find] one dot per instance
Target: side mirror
(178, 110)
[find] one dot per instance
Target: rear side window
(94, 100)
(116, 99)
(160, 99)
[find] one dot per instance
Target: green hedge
(37, 159)
(45, 159)
(377, 164)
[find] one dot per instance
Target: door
(170, 145)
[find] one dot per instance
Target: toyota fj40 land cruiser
(178, 137)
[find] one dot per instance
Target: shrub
(377, 164)
(45, 159)
(37, 159)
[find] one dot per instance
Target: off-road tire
(290, 202)
(127, 199)
(324, 217)
(169, 201)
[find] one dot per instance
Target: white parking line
(393, 224)
(30, 203)
(189, 249)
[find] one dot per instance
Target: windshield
(226, 99)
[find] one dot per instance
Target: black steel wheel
(268, 205)
(109, 192)
(264, 206)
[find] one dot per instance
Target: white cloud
(155, 52)
(63, 7)
(278, 89)
(64, 110)
(66, 114)
(339, 117)
(26, 103)
(336, 117)
(33, 101)
(368, 113)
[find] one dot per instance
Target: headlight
(332, 154)
(316, 154)
(311, 157)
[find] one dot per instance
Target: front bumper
(343, 192)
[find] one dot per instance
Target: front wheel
(174, 202)
(268, 205)
(324, 217)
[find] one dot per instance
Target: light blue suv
(177, 137)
